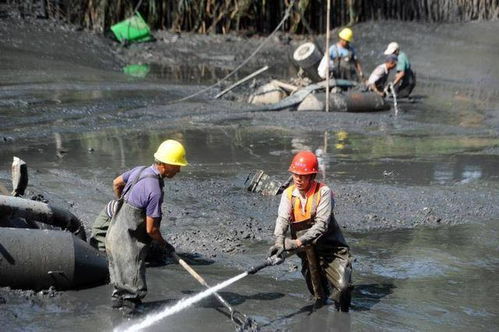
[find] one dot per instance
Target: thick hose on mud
(33, 211)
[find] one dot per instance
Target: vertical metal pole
(328, 13)
(324, 156)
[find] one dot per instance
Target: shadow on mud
(365, 296)
(235, 299)
(157, 258)
(324, 320)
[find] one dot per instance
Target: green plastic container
(137, 70)
(133, 29)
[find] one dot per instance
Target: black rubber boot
(116, 302)
(130, 306)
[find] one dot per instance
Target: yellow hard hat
(342, 135)
(346, 34)
(171, 152)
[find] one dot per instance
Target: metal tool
(245, 323)
(273, 260)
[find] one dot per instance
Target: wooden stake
(328, 13)
(250, 76)
(285, 86)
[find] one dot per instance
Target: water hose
(237, 317)
(273, 260)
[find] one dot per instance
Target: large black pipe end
(91, 267)
(38, 259)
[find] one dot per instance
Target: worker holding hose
(306, 210)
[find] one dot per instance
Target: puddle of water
(397, 159)
(209, 74)
(427, 279)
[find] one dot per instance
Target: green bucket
(133, 29)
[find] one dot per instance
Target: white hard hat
(392, 47)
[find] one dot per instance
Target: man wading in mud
(306, 209)
(136, 222)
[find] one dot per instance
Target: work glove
(278, 248)
(169, 249)
(290, 244)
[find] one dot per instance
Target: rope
(286, 15)
(138, 6)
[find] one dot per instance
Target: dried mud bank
(52, 41)
(238, 218)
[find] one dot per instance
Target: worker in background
(101, 225)
(136, 222)
(306, 210)
(379, 76)
(405, 79)
(343, 61)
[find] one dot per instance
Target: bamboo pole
(250, 76)
(328, 57)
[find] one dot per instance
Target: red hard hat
(304, 162)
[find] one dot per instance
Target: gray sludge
(37, 259)
(25, 213)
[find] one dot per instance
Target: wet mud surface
(416, 192)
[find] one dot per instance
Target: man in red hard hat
(306, 209)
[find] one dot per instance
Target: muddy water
(80, 126)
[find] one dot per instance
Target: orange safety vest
(300, 219)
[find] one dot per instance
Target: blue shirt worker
(136, 222)
(343, 61)
(405, 79)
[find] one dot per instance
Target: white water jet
(181, 305)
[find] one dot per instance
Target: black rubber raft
(35, 258)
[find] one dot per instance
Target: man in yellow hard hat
(343, 60)
(135, 222)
